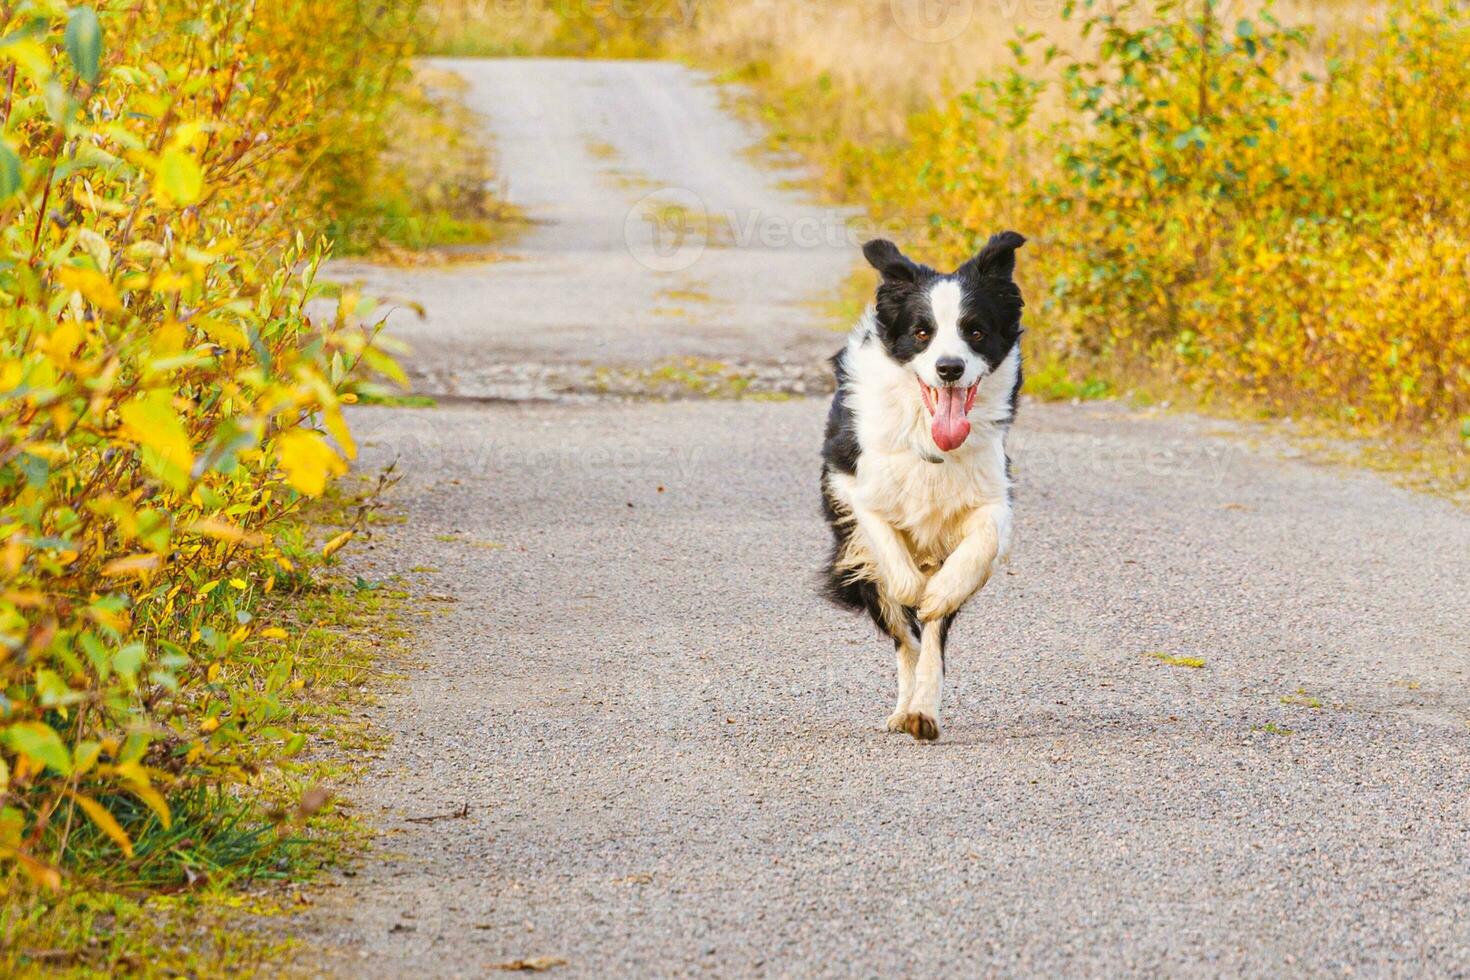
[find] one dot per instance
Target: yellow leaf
(224, 334)
(104, 821)
(42, 874)
(170, 338)
(213, 527)
(84, 757)
(239, 583)
(179, 179)
(335, 545)
(95, 288)
(155, 801)
(150, 420)
(308, 461)
(208, 725)
(63, 341)
(337, 426)
(139, 565)
(168, 281)
(30, 56)
(12, 555)
(274, 633)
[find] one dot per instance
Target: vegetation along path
(1212, 720)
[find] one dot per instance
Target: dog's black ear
(997, 258)
(884, 256)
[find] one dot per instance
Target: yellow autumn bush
(167, 402)
(1205, 211)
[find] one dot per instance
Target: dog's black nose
(949, 368)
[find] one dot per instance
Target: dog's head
(951, 330)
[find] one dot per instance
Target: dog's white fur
(930, 533)
(946, 299)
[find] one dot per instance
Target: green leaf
(84, 42)
(10, 176)
(1245, 29)
(127, 660)
(37, 741)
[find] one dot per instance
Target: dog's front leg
(907, 657)
(987, 535)
(897, 573)
(922, 718)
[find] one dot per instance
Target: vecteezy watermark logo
(932, 21)
(667, 230)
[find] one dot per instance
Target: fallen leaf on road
(1175, 660)
(312, 801)
(535, 964)
(459, 814)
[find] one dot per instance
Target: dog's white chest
(930, 502)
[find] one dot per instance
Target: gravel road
(655, 238)
(670, 754)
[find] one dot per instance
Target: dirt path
(671, 752)
(656, 238)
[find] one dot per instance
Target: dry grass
(866, 66)
(879, 56)
(437, 186)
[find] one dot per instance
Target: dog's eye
(921, 333)
(976, 333)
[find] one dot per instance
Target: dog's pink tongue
(950, 428)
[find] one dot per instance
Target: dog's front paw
(923, 727)
(897, 721)
(949, 589)
(940, 599)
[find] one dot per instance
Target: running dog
(915, 477)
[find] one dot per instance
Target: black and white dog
(915, 478)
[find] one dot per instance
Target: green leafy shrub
(167, 403)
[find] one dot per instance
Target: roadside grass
(196, 897)
(695, 377)
(435, 187)
(399, 401)
(182, 660)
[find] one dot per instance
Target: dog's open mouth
(949, 406)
